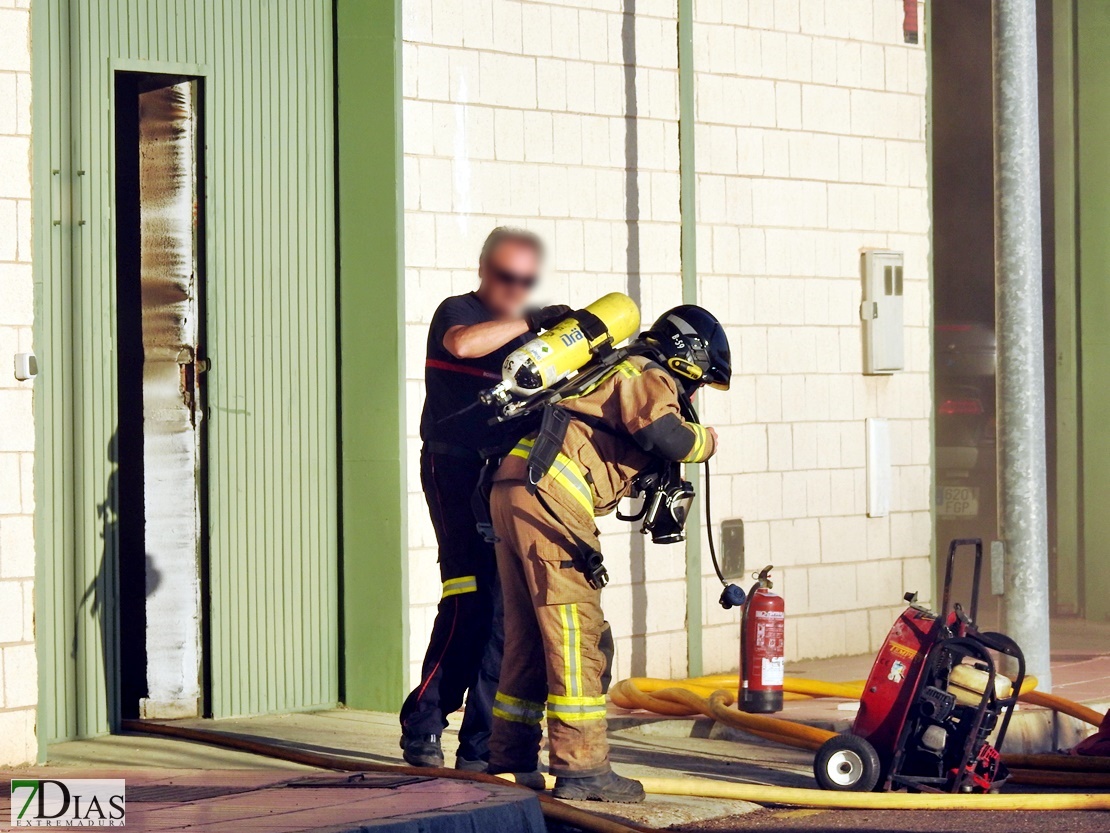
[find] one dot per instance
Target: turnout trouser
(464, 652)
(554, 659)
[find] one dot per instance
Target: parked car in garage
(964, 362)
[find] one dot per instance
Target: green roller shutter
(1092, 111)
(268, 93)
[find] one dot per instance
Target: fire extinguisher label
(770, 635)
(771, 671)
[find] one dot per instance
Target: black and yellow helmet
(692, 345)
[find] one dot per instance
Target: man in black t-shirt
(469, 338)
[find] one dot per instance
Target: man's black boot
(609, 787)
(422, 750)
(470, 764)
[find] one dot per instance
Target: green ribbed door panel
(1093, 245)
(268, 224)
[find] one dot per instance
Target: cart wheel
(847, 763)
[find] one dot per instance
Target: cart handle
(952, 549)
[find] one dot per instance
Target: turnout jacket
(630, 419)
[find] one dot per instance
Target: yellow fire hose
(798, 797)
(871, 801)
(683, 698)
(1062, 705)
(799, 689)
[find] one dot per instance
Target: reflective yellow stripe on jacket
(700, 440)
(628, 370)
(625, 368)
(565, 472)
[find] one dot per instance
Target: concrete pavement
(642, 745)
(212, 801)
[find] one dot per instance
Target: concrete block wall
(561, 116)
(810, 147)
(18, 670)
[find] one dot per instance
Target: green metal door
(265, 70)
(1092, 111)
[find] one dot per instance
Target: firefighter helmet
(692, 345)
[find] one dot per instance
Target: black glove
(544, 318)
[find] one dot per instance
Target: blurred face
(509, 275)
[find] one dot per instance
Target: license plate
(959, 502)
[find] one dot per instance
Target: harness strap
(593, 328)
(588, 560)
(479, 501)
(563, 471)
(547, 445)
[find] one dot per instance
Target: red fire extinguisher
(762, 643)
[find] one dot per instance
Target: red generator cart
(933, 699)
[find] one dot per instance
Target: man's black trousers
(467, 640)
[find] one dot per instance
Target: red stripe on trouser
(450, 635)
(455, 616)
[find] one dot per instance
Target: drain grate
(180, 793)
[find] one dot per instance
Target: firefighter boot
(422, 750)
(608, 787)
(534, 779)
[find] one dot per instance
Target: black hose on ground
(552, 808)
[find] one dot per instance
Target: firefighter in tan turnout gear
(628, 423)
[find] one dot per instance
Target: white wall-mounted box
(882, 312)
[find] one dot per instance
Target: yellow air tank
(566, 347)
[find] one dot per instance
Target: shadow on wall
(111, 600)
(635, 291)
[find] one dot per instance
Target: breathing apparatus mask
(667, 502)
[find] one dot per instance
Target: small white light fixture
(26, 366)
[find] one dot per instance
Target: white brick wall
(810, 146)
(515, 113)
(18, 677)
